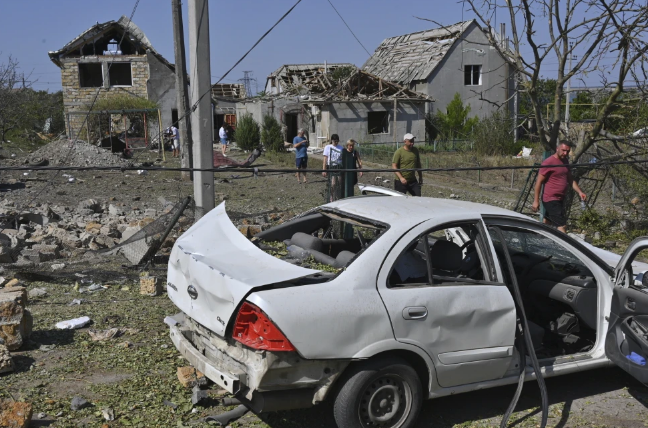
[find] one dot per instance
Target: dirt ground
(135, 375)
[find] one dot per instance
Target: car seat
(446, 258)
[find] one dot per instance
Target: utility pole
(571, 56)
(182, 91)
(201, 119)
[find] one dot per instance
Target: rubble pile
(77, 153)
(52, 232)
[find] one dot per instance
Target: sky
(313, 32)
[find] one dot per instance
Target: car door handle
(415, 312)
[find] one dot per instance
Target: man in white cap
(407, 157)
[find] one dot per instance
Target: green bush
(493, 135)
(454, 123)
(248, 134)
(271, 134)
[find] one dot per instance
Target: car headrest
(446, 255)
(306, 241)
(343, 258)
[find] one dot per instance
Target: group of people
(335, 155)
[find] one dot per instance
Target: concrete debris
(36, 292)
(12, 283)
(15, 321)
(15, 414)
(73, 323)
(111, 333)
(57, 266)
(83, 154)
(79, 403)
(199, 397)
(6, 362)
(150, 285)
(108, 414)
(190, 377)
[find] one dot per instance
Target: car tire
(382, 393)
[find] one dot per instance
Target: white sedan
(379, 302)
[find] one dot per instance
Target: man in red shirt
(556, 180)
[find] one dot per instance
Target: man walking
(557, 179)
(407, 157)
(300, 143)
(175, 136)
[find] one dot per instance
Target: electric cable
(527, 339)
(349, 28)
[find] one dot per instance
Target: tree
(553, 31)
(247, 132)
(271, 134)
(454, 123)
(493, 135)
(13, 96)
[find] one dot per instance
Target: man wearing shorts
(222, 134)
(175, 136)
(557, 180)
(300, 143)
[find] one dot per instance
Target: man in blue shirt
(301, 156)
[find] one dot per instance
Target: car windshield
(325, 240)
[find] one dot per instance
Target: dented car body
(394, 299)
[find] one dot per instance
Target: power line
(347, 25)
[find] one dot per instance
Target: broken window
(120, 74)
(472, 75)
(378, 122)
(90, 75)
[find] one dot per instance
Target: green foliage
(545, 92)
(454, 123)
(431, 127)
(271, 134)
(493, 135)
(248, 133)
(122, 102)
(578, 110)
(342, 73)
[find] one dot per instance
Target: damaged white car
(380, 302)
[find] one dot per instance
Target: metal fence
(382, 153)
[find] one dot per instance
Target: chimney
(502, 34)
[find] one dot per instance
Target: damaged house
(443, 61)
(97, 59)
(356, 105)
(224, 98)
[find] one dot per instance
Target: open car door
(626, 343)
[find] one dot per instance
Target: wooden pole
(395, 113)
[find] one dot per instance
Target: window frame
(89, 64)
(386, 114)
(483, 248)
(469, 70)
(113, 64)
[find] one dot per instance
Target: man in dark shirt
(557, 180)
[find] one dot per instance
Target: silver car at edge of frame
(378, 302)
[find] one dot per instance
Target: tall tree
(554, 30)
(13, 96)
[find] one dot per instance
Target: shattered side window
(326, 241)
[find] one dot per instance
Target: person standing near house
(556, 176)
(333, 161)
(407, 157)
(300, 143)
(224, 140)
(175, 137)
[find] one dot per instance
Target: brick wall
(76, 98)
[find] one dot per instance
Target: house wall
(350, 120)
(76, 98)
(448, 77)
(160, 88)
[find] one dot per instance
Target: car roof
(390, 209)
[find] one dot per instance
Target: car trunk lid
(213, 267)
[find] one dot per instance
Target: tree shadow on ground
(451, 411)
(39, 338)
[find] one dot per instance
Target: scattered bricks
(15, 321)
(71, 242)
(6, 362)
(12, 283)
(90, 204)
(93, 228)
(115, 211)
(15, 414)
(190, 377)
(249, 230)
(79, 403)
(150, 285)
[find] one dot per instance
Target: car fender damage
(265, 380)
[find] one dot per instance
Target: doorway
(291, 126)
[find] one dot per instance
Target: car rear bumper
(262, 380)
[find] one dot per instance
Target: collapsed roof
(414, 56)
(363, 86)
(95, 40)
(228, 90)
(298, 78)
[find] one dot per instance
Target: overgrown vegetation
(122, 102)
(454, 123)
(271, 134)
(493, 135)
(248, 134)
(342, 73)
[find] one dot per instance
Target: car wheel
(384, 393)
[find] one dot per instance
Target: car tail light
(254, 329)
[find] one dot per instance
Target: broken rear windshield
(326, 240)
